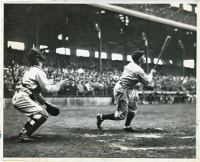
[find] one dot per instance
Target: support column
(73, 51)
(181, 8)
(183, 58)
(125, 54)
(5, 41)
(109, 52)
(98, 28)
(37, 35)
(146, 45)
(195, 60)
(147, 55)
(152, 63)
(92, 52)
(73, 56)
(28, 45)
(183, 55)
(53, 51)
(100, 50)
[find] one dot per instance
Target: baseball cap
(136, 55)
(34, 53)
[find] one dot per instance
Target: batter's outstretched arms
(146, 79)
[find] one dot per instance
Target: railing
(147, 95)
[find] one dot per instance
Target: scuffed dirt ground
(73, 134)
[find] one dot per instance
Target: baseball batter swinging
(125, 95)
(26, 101)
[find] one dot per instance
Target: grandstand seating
(83, 73)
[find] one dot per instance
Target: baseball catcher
(29, 100)
(125, 95)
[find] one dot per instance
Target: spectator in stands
(7, 88)
(191, 97)
(116, 75)
(62, 91)
(51, 79)
(18, 85)
(171, 99)
(71, 88)
(106, 88)
(98, 87)
(156, 97)
(151, 98)
(89, 88)
(80, 88)
(101, 87)
(144, 98)
(163, 98)
(165, 79)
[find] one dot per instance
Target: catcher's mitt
(52, 109)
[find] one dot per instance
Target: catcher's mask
(34, 54)
(137, 55)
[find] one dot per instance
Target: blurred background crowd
(85, 79)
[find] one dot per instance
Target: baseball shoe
(25, 138)
(129, 129)
(99, 121)
(22, 132)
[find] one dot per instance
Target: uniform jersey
(124, 94)
(133, 74)
(35, 78)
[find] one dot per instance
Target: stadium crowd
(85, 80)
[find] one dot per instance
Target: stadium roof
(79, 22)
(126, 9)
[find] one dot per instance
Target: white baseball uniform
(124, 93)
(33, 79)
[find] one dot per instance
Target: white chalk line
(187, 137)
(125, 148)
(138, 136)
(133, 136)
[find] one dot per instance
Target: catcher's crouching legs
(33, 123)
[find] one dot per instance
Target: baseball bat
(167, 40)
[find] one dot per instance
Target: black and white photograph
(99, 81)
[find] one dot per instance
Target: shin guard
(36, 125)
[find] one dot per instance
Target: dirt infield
(73, 134)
